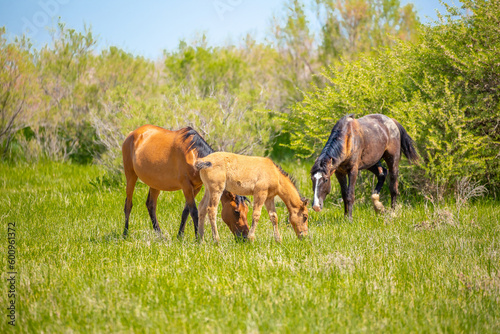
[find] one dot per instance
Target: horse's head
(298, 218)
(321, 187)
(234, 214)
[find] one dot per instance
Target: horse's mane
(202, 149)
(196, 143)
(334, 147)
(289, 177)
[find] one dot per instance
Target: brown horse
(255, 176)
(360, 144)
(164, 160)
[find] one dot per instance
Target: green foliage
(350, 27)
(442, 89)
(18, 91)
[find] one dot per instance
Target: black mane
(197, 143)
(241, 199)
(334, 147)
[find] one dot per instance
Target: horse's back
(156, 156)
(379, 136)
(380, 123)
(241, 173)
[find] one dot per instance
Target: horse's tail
(202, 165)
(407, 144)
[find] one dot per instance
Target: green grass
(386, 273)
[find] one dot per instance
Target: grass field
(416, 269)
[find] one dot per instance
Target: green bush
(440, 89)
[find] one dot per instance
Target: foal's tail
(199, 165)
(407, 144)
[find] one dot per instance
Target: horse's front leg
(151, 206)
(342, 178)
(271, 209)
(258, 202)
(353, 175)
(190, 195)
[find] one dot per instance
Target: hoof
(251, 237)
(377, 205)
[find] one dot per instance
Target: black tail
(407, 144)
(202, 164)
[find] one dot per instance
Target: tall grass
(377, 273)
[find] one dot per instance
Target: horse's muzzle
(317, 208)
(303, 235)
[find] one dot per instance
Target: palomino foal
(256, 176)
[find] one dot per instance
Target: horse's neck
(288, 193)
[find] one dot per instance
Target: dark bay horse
(164, 160)
(356, 144)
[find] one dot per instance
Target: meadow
(419, 268)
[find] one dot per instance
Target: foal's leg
(342, 178)
(185, 213)
(131, 180)
(213, 202)
(271, 209)
(202, 214)
(258, 202)
(151, 205)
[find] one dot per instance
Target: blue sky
(148, 27)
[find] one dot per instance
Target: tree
(18, 89)
(350, 27)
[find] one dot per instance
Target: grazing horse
(356, 144)
(164, 160)
(255, 176)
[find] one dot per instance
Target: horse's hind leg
(151, 205)
(202, 214)
(209, 204)
(380, 172)
(392, 164)
(380, 177)
(131, 180)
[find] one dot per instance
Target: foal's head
(234, 214)
(298, 218)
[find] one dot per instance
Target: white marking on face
(317, 176)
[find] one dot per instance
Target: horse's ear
(305, 201)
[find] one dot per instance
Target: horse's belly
(240, 187)
(157, 172)
(160, 182)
